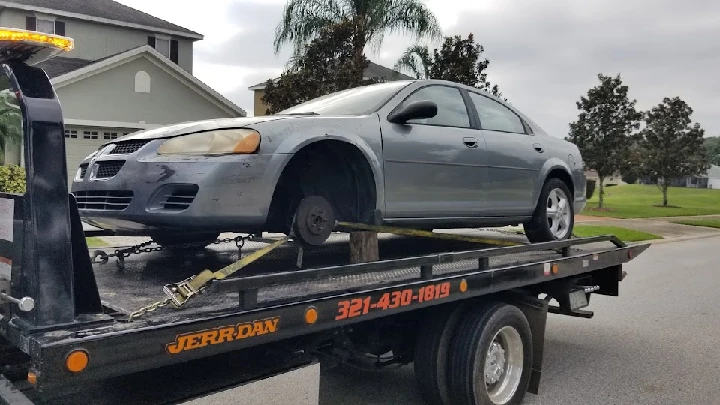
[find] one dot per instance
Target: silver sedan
(426, 154)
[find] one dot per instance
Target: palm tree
(416, 60)
(371, 19)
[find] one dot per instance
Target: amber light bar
(39, 38)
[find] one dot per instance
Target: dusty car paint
(496, 183)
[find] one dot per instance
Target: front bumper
(148, 191)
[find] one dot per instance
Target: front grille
(127, 147)
(180, 199)
(108, 169)
(83, 170)
(113, 200)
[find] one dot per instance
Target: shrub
(12, 179)
(589, 188)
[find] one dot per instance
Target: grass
(94, 242)
(642, 201)
(624, 234)
(708, 222)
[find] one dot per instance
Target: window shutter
(31, 23)
(151, 41)
(174, 50)
(59, 28)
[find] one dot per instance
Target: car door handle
(470, 142)
(538, 147)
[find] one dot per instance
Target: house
(373, 71)
(711, 179)
(129, 71)
(615, 179)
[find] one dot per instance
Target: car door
(515, 157)
(434, 167)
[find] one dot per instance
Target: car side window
(495, 116)
(452, 111)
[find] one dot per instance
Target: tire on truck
(491, 356)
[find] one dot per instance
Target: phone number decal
(391, 300)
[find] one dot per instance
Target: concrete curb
(680, 239)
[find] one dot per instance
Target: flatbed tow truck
(468, 310)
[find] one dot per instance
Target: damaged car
(421, 154)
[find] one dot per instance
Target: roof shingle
(108, 9)
(58, 66)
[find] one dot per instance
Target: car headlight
(218, 142)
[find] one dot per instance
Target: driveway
(655, 344)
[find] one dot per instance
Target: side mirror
(415, 110)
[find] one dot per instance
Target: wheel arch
(555, 168)
(368, 161)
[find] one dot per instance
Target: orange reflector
(554, 268)
(77, 361)
(249, 144)
(32, 378)
(311, 315)
(463, 286)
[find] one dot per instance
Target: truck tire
(431, 353)
(491, 357)
(554, 216)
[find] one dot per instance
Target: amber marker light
(463, 286)
(311, 315)
(554, 268)
(32, 377)
(77, 360)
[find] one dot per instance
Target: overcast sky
(543, 53)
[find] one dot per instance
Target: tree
(10, 121)
(603, 130)
(458, 60)
(672, 146)
(327, 65)
(303, 21)
(712, 147)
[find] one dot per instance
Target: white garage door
(82, 141)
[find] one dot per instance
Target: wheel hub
(317, 220)
(558, 213)
(494, 363)
(314, 221)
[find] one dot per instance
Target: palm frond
(303, 19)
(402, 16)
(416, 60)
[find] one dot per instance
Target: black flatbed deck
(144, 275)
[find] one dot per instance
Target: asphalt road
(658, 343)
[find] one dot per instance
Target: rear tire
(491, 357)
(181, 241)
(554, 216)
(431, 353)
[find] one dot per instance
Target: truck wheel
(491, 358)
(554, 215)
(180, 241)
(431, 353)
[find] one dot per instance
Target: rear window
(357, 101)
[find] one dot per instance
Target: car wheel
(554, 215)
(182, 241)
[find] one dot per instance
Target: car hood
(185, 128)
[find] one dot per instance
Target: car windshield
(357, 101)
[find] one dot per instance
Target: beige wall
(259, 107)
(112, 97)
(94, 41)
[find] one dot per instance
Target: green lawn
(640, 201)
(94, 242)
(624, 234)
(709, 222)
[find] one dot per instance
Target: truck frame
(458, 309)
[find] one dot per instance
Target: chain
(152, 307)
(100, 257)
